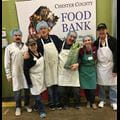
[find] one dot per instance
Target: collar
(47, 40)
(20, 45)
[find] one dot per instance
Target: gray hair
(69, 33)
(90, 36)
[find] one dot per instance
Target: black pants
(53, 95)
(67, 92)
(90, 95)
(17, 96)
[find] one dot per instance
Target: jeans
(53, 95)
(39, 104)
(66, 93)
(112, 93)
(17, 96)
(90, 95)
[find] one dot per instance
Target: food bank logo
(42, 13)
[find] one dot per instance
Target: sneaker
(59, 107)
(114, 106)
(94, 106)
(52, 107)
(18, 111)
(101, 104)
(34, 108)
(78, 107)
(28, 109)
(88, 105)
(42, 115)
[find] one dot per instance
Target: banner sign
(62, 16)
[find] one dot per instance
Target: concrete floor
(105, 113)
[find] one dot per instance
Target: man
(49, 45)
(14, 69)
(68, 79)
(106, 66)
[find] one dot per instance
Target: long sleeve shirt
(28, 63)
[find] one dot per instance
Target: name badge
(90, 58)
(34, 58)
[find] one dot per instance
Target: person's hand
(114, 74)
(9, 79)
(26, 55)
(74, 66)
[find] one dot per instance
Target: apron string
(90, 51)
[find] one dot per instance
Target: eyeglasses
(33, 44)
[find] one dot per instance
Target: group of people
(38, 65)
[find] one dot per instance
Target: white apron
(66, 77)
(51, 63)
(16, 66)
(105, 66)
(37, 77)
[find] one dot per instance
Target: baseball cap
(101, 26)
(31, 41)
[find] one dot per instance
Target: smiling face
(44, 32)
(87, 41)
(17, 37)
(102, 33)
(33, 47)
(71, 38)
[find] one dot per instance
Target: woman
(87, 70)
(49, 45)
(68, 79)
(34, 73)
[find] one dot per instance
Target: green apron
(87, 72)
